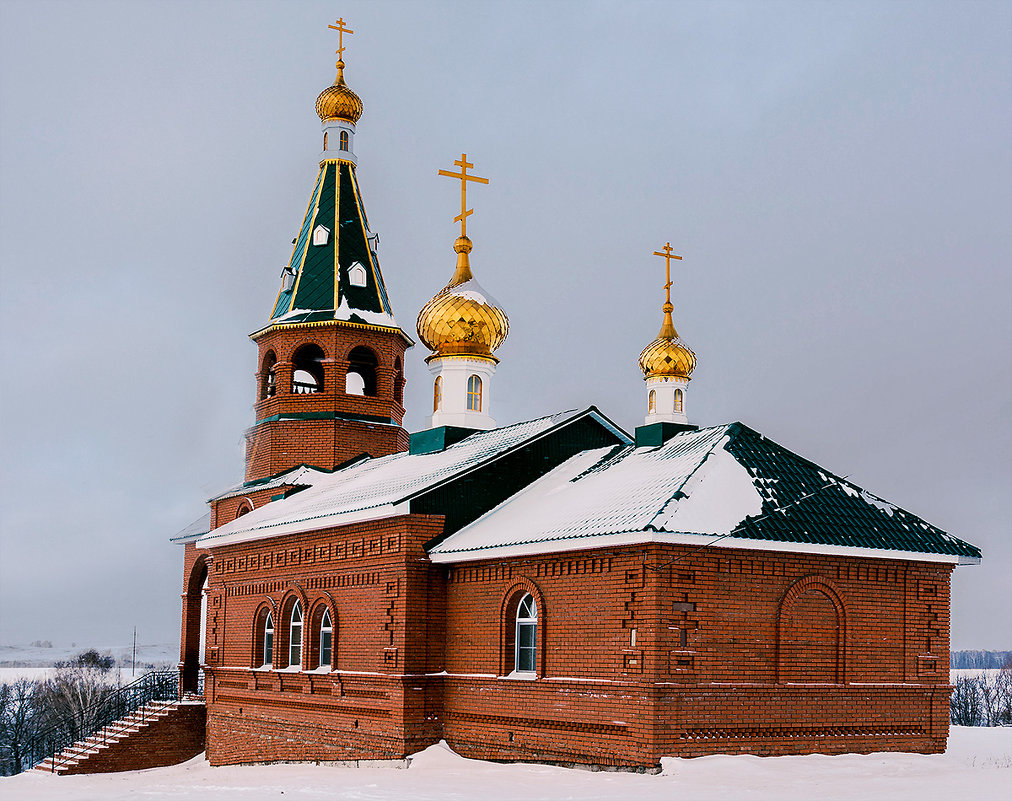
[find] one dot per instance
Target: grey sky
(837, 176)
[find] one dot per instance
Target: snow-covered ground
(978, 764)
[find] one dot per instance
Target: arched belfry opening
(307, 370)
(268, 376)
(362, 363)
(194, 626)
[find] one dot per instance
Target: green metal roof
(319, 287)
(725, 485)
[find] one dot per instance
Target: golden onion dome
(463, 319)
(667, 355)
(338, 102)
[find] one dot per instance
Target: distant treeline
(979, 660)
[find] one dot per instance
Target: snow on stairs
(157, 734)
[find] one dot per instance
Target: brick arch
(267, 605)
(282, 623)
(813, 650)
(323, 600)
(290, 348)
(507, 623)
(200, 570)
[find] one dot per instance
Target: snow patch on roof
(346, 312)
(690, 484)
(715, 499)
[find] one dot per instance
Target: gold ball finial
(338, 102)
(462, 245)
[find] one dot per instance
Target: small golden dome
(667, 355)
(462, 320)
(338, 102)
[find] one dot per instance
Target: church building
(555, 590)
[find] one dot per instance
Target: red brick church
(553, 590)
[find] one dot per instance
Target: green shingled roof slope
(317, 270)
(804, 503)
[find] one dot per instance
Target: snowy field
(978, 764)
(36, 656)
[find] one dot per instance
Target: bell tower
(330, 377)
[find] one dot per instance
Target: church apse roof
(726, 486)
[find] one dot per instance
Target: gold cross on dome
(341, 31)
(667, 253)
(465, 212)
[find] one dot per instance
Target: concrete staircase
(157, 734)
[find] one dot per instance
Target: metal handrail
(159, 685)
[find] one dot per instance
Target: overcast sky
(837, 176)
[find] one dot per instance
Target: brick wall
(721, 651)
(642, 652)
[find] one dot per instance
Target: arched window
(527, 635)
(326, 640)
(652, 402)
(679, 400)
(244, 509)
(295, 636)
(266, 650)
(268, 380)
(344, 140)
(437, 393)
(325, 140)
(362, 366)
(474, 394)
(307, 370)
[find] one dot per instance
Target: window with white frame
(326, 639)
(295, 636)
(527, 635)
(268, 652)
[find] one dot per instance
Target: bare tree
(71, 698)
(19, 722)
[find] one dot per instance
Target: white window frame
(527, 618)
(268, 653)
(326, 627)
(295, 636)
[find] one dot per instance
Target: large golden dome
(667, 355)
(462, 319)
(338, 102)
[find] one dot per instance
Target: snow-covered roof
(378, 488)
(728, 482)
(301, 476)
(198, 528)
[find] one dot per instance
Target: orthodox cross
(341, 31)
(667, 253)
(465, 212)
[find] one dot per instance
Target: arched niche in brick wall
(811, 634)
(509, 605)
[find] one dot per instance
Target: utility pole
(133, 661)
